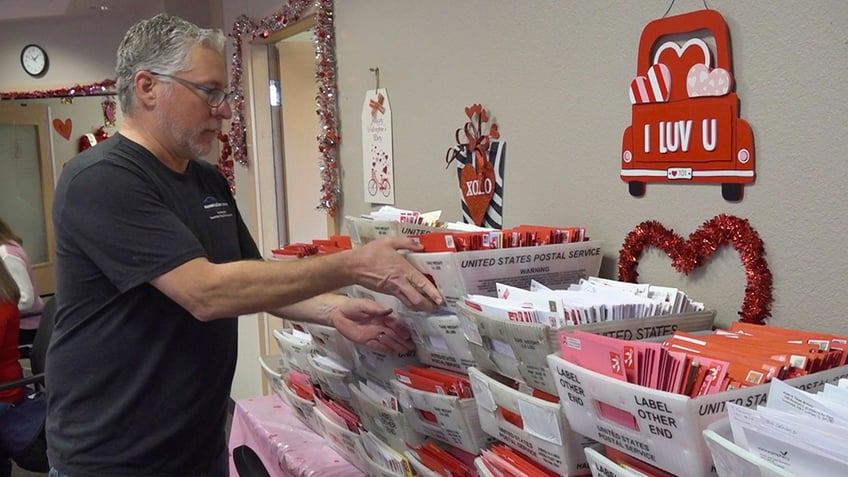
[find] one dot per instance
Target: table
(286, 446)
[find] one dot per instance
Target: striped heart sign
(653, 88)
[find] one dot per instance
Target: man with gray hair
(154, 263)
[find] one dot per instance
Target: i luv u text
(673, 136)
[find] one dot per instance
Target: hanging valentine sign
(377, 155)
(687, 255)
(685, 115)
(480, 157)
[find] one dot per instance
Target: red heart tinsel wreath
(690, 254)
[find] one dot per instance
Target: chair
(29, 420)
(247, 463)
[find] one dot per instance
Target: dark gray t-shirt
(136, 385)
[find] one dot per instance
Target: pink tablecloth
(286, 446)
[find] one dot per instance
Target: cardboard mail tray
(292, 352)
(519, 350)
(269, 366)
(388, 425)
(731, 459)
(482, 470)
(439, 340)
(544, 436)
(419, 468)
(452, 420)
(377, 367)
(348, 444)
(373, 469)
(304, 409)
(601, 466)
(330, 342)
(660, 428)
(332, 383)
(457, 274)
(363, 230)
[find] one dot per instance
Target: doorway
(26, 185)
(300, 177)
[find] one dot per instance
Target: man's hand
(371, 324)
(378, 265)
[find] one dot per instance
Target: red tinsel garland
(100, 88)
(225, 164)
(325, 75)
(687, 255)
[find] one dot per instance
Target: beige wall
(556, 73)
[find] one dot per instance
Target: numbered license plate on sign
(679, 173)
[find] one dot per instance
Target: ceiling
(15, 10)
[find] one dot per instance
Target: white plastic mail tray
(661, 428)
(731, 460)
(476, 272)
(545, 436)
(519, 350)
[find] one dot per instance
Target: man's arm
(359, 320)
(210, 291)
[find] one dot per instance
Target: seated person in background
(22, 414)
(17, 263)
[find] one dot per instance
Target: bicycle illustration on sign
(379, 181)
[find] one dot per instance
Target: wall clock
(34, 60)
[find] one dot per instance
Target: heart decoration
(687, 255)
(64, 128)
(701, 81)
(653, 88)
(477, 187)
(679, 59)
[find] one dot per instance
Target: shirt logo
(216, 209)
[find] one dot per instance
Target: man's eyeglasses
(214, 97)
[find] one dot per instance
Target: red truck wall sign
(685, 125)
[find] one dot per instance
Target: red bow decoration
(377, 105)
(476, 173)
(477, 141)
(687, 255)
